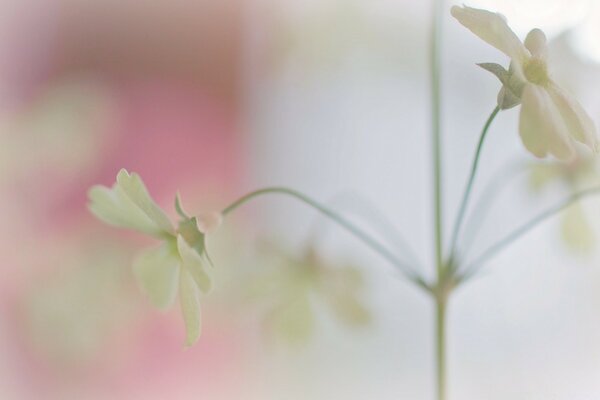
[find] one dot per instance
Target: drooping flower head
(179, 263)
(550, 119)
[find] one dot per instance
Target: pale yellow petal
(349, 309)
(578, 122)
(542, 174)
(192, 262)
(157, 272)
(541, 127)
(293, 320)
(535, 42)
(189, 299)
(492, 28)
(576, 230)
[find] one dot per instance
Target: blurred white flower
(178, 263)
(297, 286)
(576, 228)
(550, 120)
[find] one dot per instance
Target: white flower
(129, 205)
(550, 120)
(178, 264)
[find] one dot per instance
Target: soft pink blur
(153, 89)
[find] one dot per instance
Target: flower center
(536, 71)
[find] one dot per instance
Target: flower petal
(128, 205)
(535, 42)
(192, 262)
(492, 28)
(576, 230)
(134, 188)
(293, 320)
(189, 299)
(578, 122)
(348, 308)
(157, 271)
(541, 126)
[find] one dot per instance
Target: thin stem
(436, 111)
(476, 265)
(365, 209)
(440, 339)
(406, 269)
(469, 188)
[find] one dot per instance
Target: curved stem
(375, 218)
(406, 269)
(476, 265)
(465, 200)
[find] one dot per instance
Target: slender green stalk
(476, 265)
(440, 338)
(436, 141)
(406, 269)
(362, 207)
(469, 188)
(436, 111)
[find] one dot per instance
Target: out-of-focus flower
(550, 120)
(178, 263)
(293, 288)
(581, 172)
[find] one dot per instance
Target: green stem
(406, 269)
(469, 188)
(440, 340)
(475, 266)
(366, 210)
(436, 111)
(435, 62)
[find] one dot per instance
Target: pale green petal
(189, 299)
(493, 29)
(192, 262)
(128, 205)
(134, 188)
(541, 126)
(580, 125)
(576, 230)
(113, 207)
(157, 272)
